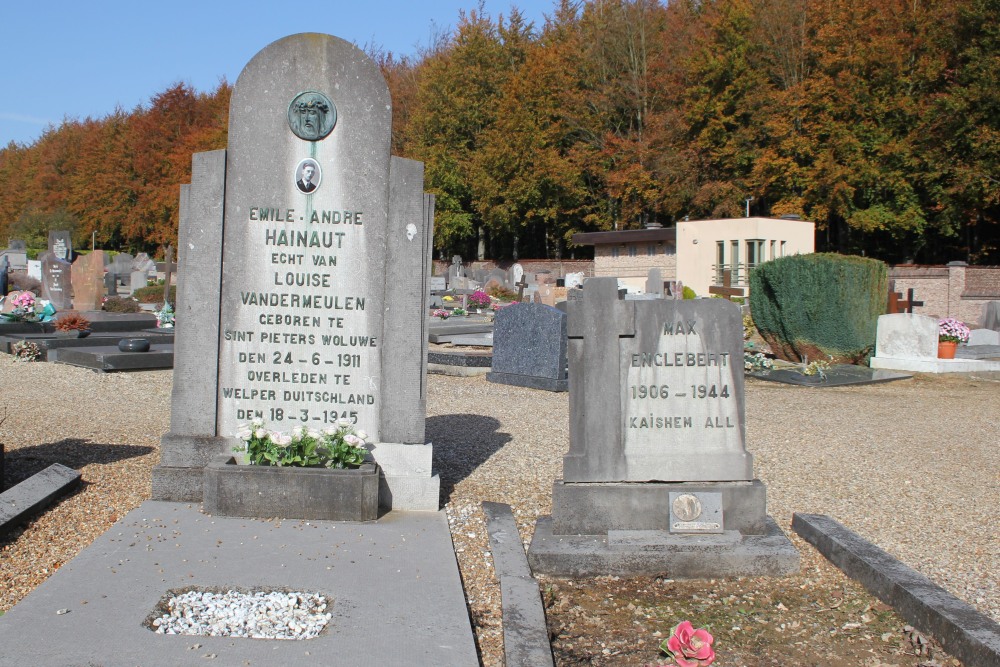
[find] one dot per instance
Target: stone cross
(520, 285)
(896, 305)
(727, 290)
(168, 271)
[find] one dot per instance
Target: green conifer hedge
(819, 305)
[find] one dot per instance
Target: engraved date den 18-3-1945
(656, 377)
(307, 365)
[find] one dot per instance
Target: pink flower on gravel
(689, 647)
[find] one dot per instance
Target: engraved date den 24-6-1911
(294, 373)
(672, 377)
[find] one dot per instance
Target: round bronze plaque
(311, 115)
(686, 507)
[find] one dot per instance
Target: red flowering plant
(689, 647)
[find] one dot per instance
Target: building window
(755, 254)
(651, 250)
(632, 251)
(772, 250)
(734, 261)
(783, 244)
(614, 251)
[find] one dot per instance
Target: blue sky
(74, 59)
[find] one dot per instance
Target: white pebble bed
(260, 615)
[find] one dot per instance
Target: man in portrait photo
(307, 177)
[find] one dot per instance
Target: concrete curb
(965, 633)
(34, 493)
(525, 634)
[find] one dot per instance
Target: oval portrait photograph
(308, 175)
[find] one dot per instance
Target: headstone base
(180, 475)
(658, 553)
(408, 482)
(530, 381)
(599, 508)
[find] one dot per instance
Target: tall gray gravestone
(657, 480)
(315, 316)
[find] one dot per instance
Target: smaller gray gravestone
(657, 478)
(137, 280)
(516, 273)
(18, 244)
(121, 265)
(56, 286)
(438, 284)
(499, 275)
(61, 244)
(142, 262)
(529, 347)
(34, 269)
(906, 336)
(574, 280)
(991, 315)
(654, 282)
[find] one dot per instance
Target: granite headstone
(906, 336)
(56, 285)
(4, 268)
(61, 244)
(529, 347)
(88, 281)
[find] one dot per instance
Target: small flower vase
(946, 349)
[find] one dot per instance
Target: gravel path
(911, 465)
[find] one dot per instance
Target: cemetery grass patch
(617, 621)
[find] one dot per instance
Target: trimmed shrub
(819, 306)
(688, 293)
(118, 304)
(154, 294)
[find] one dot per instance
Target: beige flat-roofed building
(697, 252)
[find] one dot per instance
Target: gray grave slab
(442, 329)
(110, 358)
(460, 359)
(25, 499)
(480, 340)
(839, 375)
(47, 342)
(393, 578)
(978, 352)
(962, 631)
(983, 337)
(529, 347)
(525, 634)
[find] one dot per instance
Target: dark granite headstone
(56, 286)
(4, 267)
(529, 347)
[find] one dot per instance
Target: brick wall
(955, 290)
